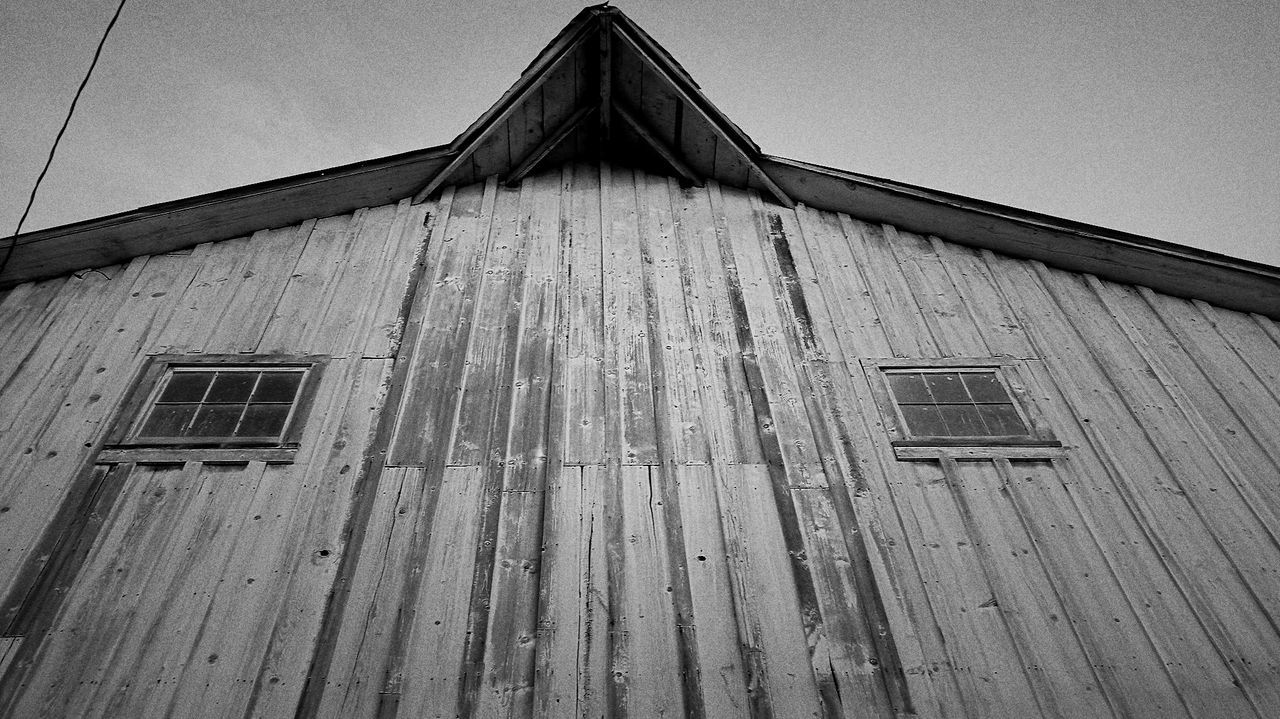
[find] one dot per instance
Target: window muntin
(221, 404)
(955, 403)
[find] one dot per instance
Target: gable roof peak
(603, 89)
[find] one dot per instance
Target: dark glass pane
(232, 387)
(216, 420)
(946, 387)
(924, 420)
(168, 420)
(962, 420)
(984, 387)
(186, 387)
(909, 388)
(277, 387)
(263, 420)
(1002, 419)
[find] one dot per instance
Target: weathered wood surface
(204, 586)
(635, 467)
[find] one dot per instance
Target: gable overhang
(603, 90)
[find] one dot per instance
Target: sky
(1156, 118)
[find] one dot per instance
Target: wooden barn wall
(204, 587)
(637, 469)
(633, 465)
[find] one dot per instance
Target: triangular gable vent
(604, 90)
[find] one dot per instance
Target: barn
(601, 411)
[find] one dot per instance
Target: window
(970, 403)
(231, 407)
(963, 408)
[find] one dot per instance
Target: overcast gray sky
(1158, 118)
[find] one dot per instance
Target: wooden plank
(38, 376)
(504, 683)
(405, 330)
(279, 661)
(584, 359)
(336, 326)
(1001, 331)
(355, 674)
(977, 453)
(55, 446)
(1111, 631)
(774, 646)
(397, 276)
(762, 318)
(1218, 393)
(850, 650)
(1163, 520)
(23, 306)
(628, 365)
(302, 301)
(909, 334)
(87, 671)
(490, 349)
(537, 413)
(574, 592)
(1245, 531)
(699, 223)
(428, 412)
(978, 641)
(1061, 675)
(835, 399)
(274, 253)
(429, 678)
(506, 677)
(168, 660)
(678, 402)
(646, 630)
(714, 610)
(1090, 523)
(9, 647)
(941, 305)
(196, 312)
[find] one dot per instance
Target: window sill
(208, 455)
(960, 454)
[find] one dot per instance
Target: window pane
(186, 387)
(946, 387)
(924, 420)
(1002, 419)
(263, 420)
(232, 387)
(985, 387)
(909, 389)
(168, 420)
(277, 387)
(962, 420)
(216, 420)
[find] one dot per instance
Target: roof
(604, 89)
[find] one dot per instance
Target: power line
(13, 242)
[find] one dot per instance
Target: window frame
(124, 443)
(1038, 443)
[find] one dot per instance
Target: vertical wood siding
(204, 586)
(633, 465)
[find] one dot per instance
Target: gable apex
(604, 90)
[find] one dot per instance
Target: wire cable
(13, 242)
